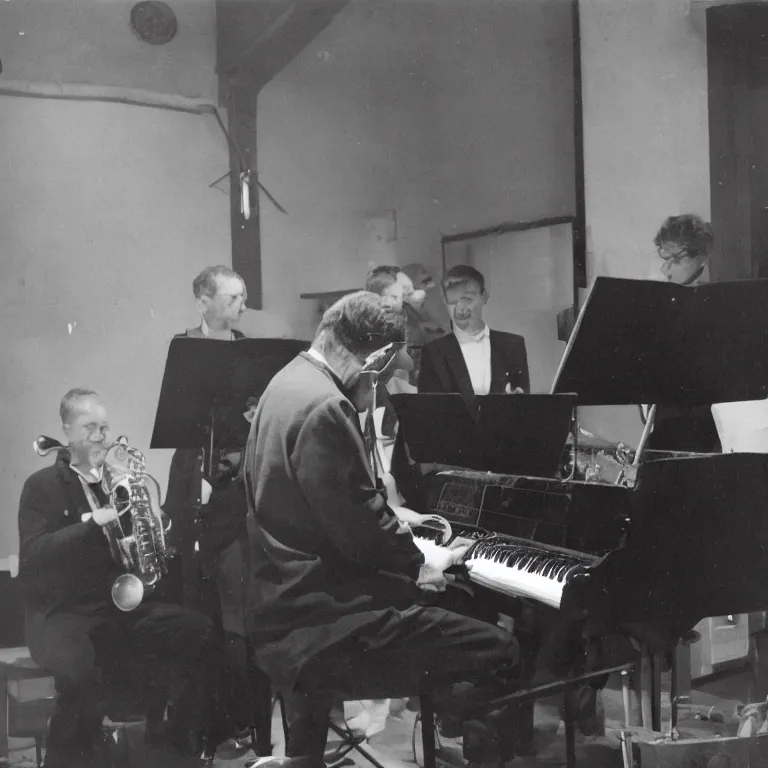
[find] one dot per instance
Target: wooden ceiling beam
(256, 40)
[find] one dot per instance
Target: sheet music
(742, 426)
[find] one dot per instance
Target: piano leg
(646, 688)
(656, 661)
(673, 688)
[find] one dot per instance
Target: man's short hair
(689, 232)
(205, 284)
(463, 273)
(363, 322)
(67, 405)
(380, 278)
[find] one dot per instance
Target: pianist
(337, 587)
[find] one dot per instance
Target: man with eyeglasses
(220, 296)
(336, 598)
(684, 245)
(73, 628)
(213, 554)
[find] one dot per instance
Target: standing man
(397, 285)
(337, 583)
(684, 245)
(73, 628)
(473, 360)
(220, 296)
(214, 554)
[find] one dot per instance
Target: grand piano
(629, 565)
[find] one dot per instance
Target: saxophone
(135, 495)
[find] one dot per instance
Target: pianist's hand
(432, 576)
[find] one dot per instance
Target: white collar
(95, 475)
(206, 330)
(312, 352)
(468, 338)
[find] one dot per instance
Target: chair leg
(428, 731)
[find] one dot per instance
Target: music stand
(520, 435)
(204, 378)
(643, 341)
(203, 397)
(647, 342)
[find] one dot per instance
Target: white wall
(456, 115)
(106, 215)
(646, 140)
(92, 41)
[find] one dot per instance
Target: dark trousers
(437, 648)
(88, 646)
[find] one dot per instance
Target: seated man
(337, 587)
(473, 360)
(67, 572)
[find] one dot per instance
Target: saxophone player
(73, 628)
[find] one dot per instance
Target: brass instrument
(142, 552)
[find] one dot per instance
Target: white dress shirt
(476, 349)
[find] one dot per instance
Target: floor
(393, 747)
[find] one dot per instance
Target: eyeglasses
(234, 296)
(673, 257)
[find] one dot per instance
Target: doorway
(737, 61)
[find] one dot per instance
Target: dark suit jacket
(443, 369)
(684, 428)
(63, 561)
(328, 557)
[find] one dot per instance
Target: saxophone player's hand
(205, 492)
(104, 515)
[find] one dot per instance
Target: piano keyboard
(520, 568)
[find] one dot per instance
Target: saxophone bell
(127, 592)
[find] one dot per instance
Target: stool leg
(570, 728)
(39, 751)
(428, 731)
